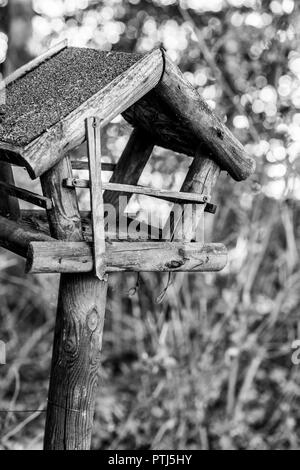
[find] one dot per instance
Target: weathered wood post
(78, 330)
(9, 207)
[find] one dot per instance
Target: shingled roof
(48, 100)
(50, 92)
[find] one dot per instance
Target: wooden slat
(27, 196)
(33, 64)
(84, 165)
(97, 205)
(130, 189)
(108, 103)
(127, 256)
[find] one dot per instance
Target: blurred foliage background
(210, 366)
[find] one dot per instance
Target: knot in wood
(93, 320)
(174, 264)
(219, 132)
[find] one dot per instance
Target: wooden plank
(33, 64)
(130, 189)
(78, 331)
(97, 204)
(25, 195)
(9, 207)
(130, 165)
(84, 165)
(46, 257)
(16, 236)
(188, 105)
(108, 103)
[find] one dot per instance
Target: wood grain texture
(186, 102)
(44, 254)
(16, 237)
(78, 330)
(166, 129)
(97, 204)
(130, 165)
(64, 218)
(9, 207)
(25, 195)
(176, 117)
(45, 151)
(49, 257)
(200, 179)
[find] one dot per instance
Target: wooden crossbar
(130, 189)
(77, 257)
(45, 254)
(84, 165)
(27, 196)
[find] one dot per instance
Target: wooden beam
(130, 165)
(33, 64)
(25, 195)
(63, 257)
(108, 103)
(84, 165)
(130, 189)
(97, 204)
(78, 331)
(16, 237)
(9, 206)
(186, 102)
(44, 254)
(177, 117)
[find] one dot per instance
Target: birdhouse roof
(50, 92)
(48, 100)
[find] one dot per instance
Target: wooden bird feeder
(54, 104)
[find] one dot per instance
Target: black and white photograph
(149, 227)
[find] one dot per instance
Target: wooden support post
(8, 205)
(78, 330)
(200, 179)
(130, 165)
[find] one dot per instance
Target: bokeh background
(209, 366)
